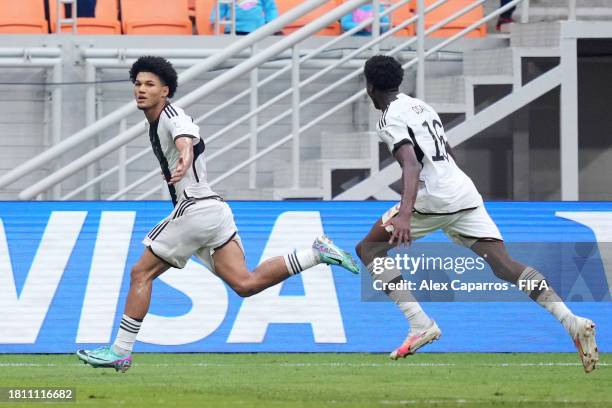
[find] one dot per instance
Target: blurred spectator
(361, 14)
(250, 15)
(505, 17)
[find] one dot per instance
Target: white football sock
(297, 261)
(126, 336)
(403, 298)
(547, 298)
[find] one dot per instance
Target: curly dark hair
(383, 72)
(158, 66)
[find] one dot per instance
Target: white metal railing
(190, 98)
(49, 59)
(125, 137)
(420, 59)
(361, 93)
(104, 149)
(296, 105)
(251, 64)
(111, 119)
(375, 40)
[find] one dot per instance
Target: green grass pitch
(317, 380)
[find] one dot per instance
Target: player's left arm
(184, 144)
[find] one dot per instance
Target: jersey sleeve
(394, 131)
(182, 124)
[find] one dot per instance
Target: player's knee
(139, 275)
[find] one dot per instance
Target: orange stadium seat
(449, 8)
(106, 20)
(286, 5)
(192, 8)
(400, 15)
(203, 9)
(155, 17)
(23, 17)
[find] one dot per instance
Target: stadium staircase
(503, 70)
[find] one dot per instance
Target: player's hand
(401, 230)
(179, 172)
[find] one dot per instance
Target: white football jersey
(173, 122)
(443, 187)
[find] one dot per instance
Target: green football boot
(331, 254)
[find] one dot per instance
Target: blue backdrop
(29, 242)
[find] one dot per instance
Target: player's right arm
(411, 168)
(396, 133)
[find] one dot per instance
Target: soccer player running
(438, 195)
(201, 223)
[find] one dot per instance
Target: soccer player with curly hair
(201, 223)
(436, 195)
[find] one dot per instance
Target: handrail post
(376, 23)
(90, 116)
(59, 8)
(420, 80)
(571, 15)
(122, 159)
(56, 112)
(254, 102)
(46, 121)
(295, 115)
(525, 12)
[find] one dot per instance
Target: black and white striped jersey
(172, 123)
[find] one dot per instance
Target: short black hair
(383, 72)
(158, 66)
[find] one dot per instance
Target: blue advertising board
(65, 272)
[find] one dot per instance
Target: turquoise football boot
(331, 254)
(105, 357)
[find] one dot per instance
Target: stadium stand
(158, 17)
(155, 17)
(400, 15)
(286, 5)
(23, 17)
(202, 10)
(106, 20)
(446, 10)
(192, 6)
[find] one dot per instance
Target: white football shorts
(194, 227)
(464, 227)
